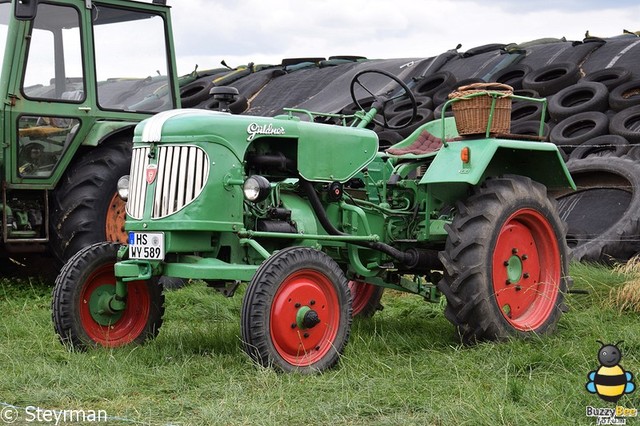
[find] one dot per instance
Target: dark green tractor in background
(76, 79)
(300, 205)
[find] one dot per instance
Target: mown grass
(404, 366)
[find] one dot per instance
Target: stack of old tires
(593, 115)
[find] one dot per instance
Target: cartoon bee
(610, 381)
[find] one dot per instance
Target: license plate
(146, 245)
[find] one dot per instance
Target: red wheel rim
(304, 289)
(114, 223)
(133, 319)
(361, 293)
(526, 269)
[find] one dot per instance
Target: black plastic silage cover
(619, 52)
(541, 55)
(324, 89)
(476, 66)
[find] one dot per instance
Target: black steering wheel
(380, 101)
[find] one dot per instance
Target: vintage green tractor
(298, 208)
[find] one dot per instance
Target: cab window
(5, 11)
(131, 60)
(54, 63)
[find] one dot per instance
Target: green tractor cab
(318, 222)
(67, 116)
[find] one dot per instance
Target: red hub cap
(127, 325)
(304, 317)
(526, 269)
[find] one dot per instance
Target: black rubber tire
(437, 113)
(81, 202)
(430, 84)
(525, 92)
(512, 75)
(605, 210)
(386, 138)
(530, 128)
(94, 264)
(626, 123)
(581, 97)
(610, 77)
(352, 108)
(403, 105)
(633, 153)
(442, 95)
(400, 121)
(625, 95)
(365, 299)
(526, 111)
(471, 283)
(601, 146)
(191, 94)
(277, 273)
(574, 130)
(550, 79)
(465, 82)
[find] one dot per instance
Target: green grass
(402, 367)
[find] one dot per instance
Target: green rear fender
(104, 129)
(449, 178)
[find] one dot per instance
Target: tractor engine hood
(325, 153)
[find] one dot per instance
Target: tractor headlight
(256, 188)
(123, 187)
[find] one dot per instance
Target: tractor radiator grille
(182, 172)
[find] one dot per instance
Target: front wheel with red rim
(506, 262)
(296, 312)
(83, 309)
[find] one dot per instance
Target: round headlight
(123, 187)
(256, 188)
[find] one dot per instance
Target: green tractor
(76, 79)
(299, 209)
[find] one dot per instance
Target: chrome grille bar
(137, 182)
(182, 173)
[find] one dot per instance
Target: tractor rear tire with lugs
(85, 208)
(82, 313)
(505, 261)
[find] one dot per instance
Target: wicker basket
(472, 112)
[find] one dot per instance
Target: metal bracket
(227, 289)
(87, 4)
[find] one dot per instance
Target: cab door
(50, 107)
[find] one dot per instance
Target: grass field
(404, 366)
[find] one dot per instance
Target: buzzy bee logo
(610, 382)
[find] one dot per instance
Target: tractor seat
(425, 143)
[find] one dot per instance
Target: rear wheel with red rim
(84, 312)
(114, 220)
(296, 312)
(365, 298)
(506, 262)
